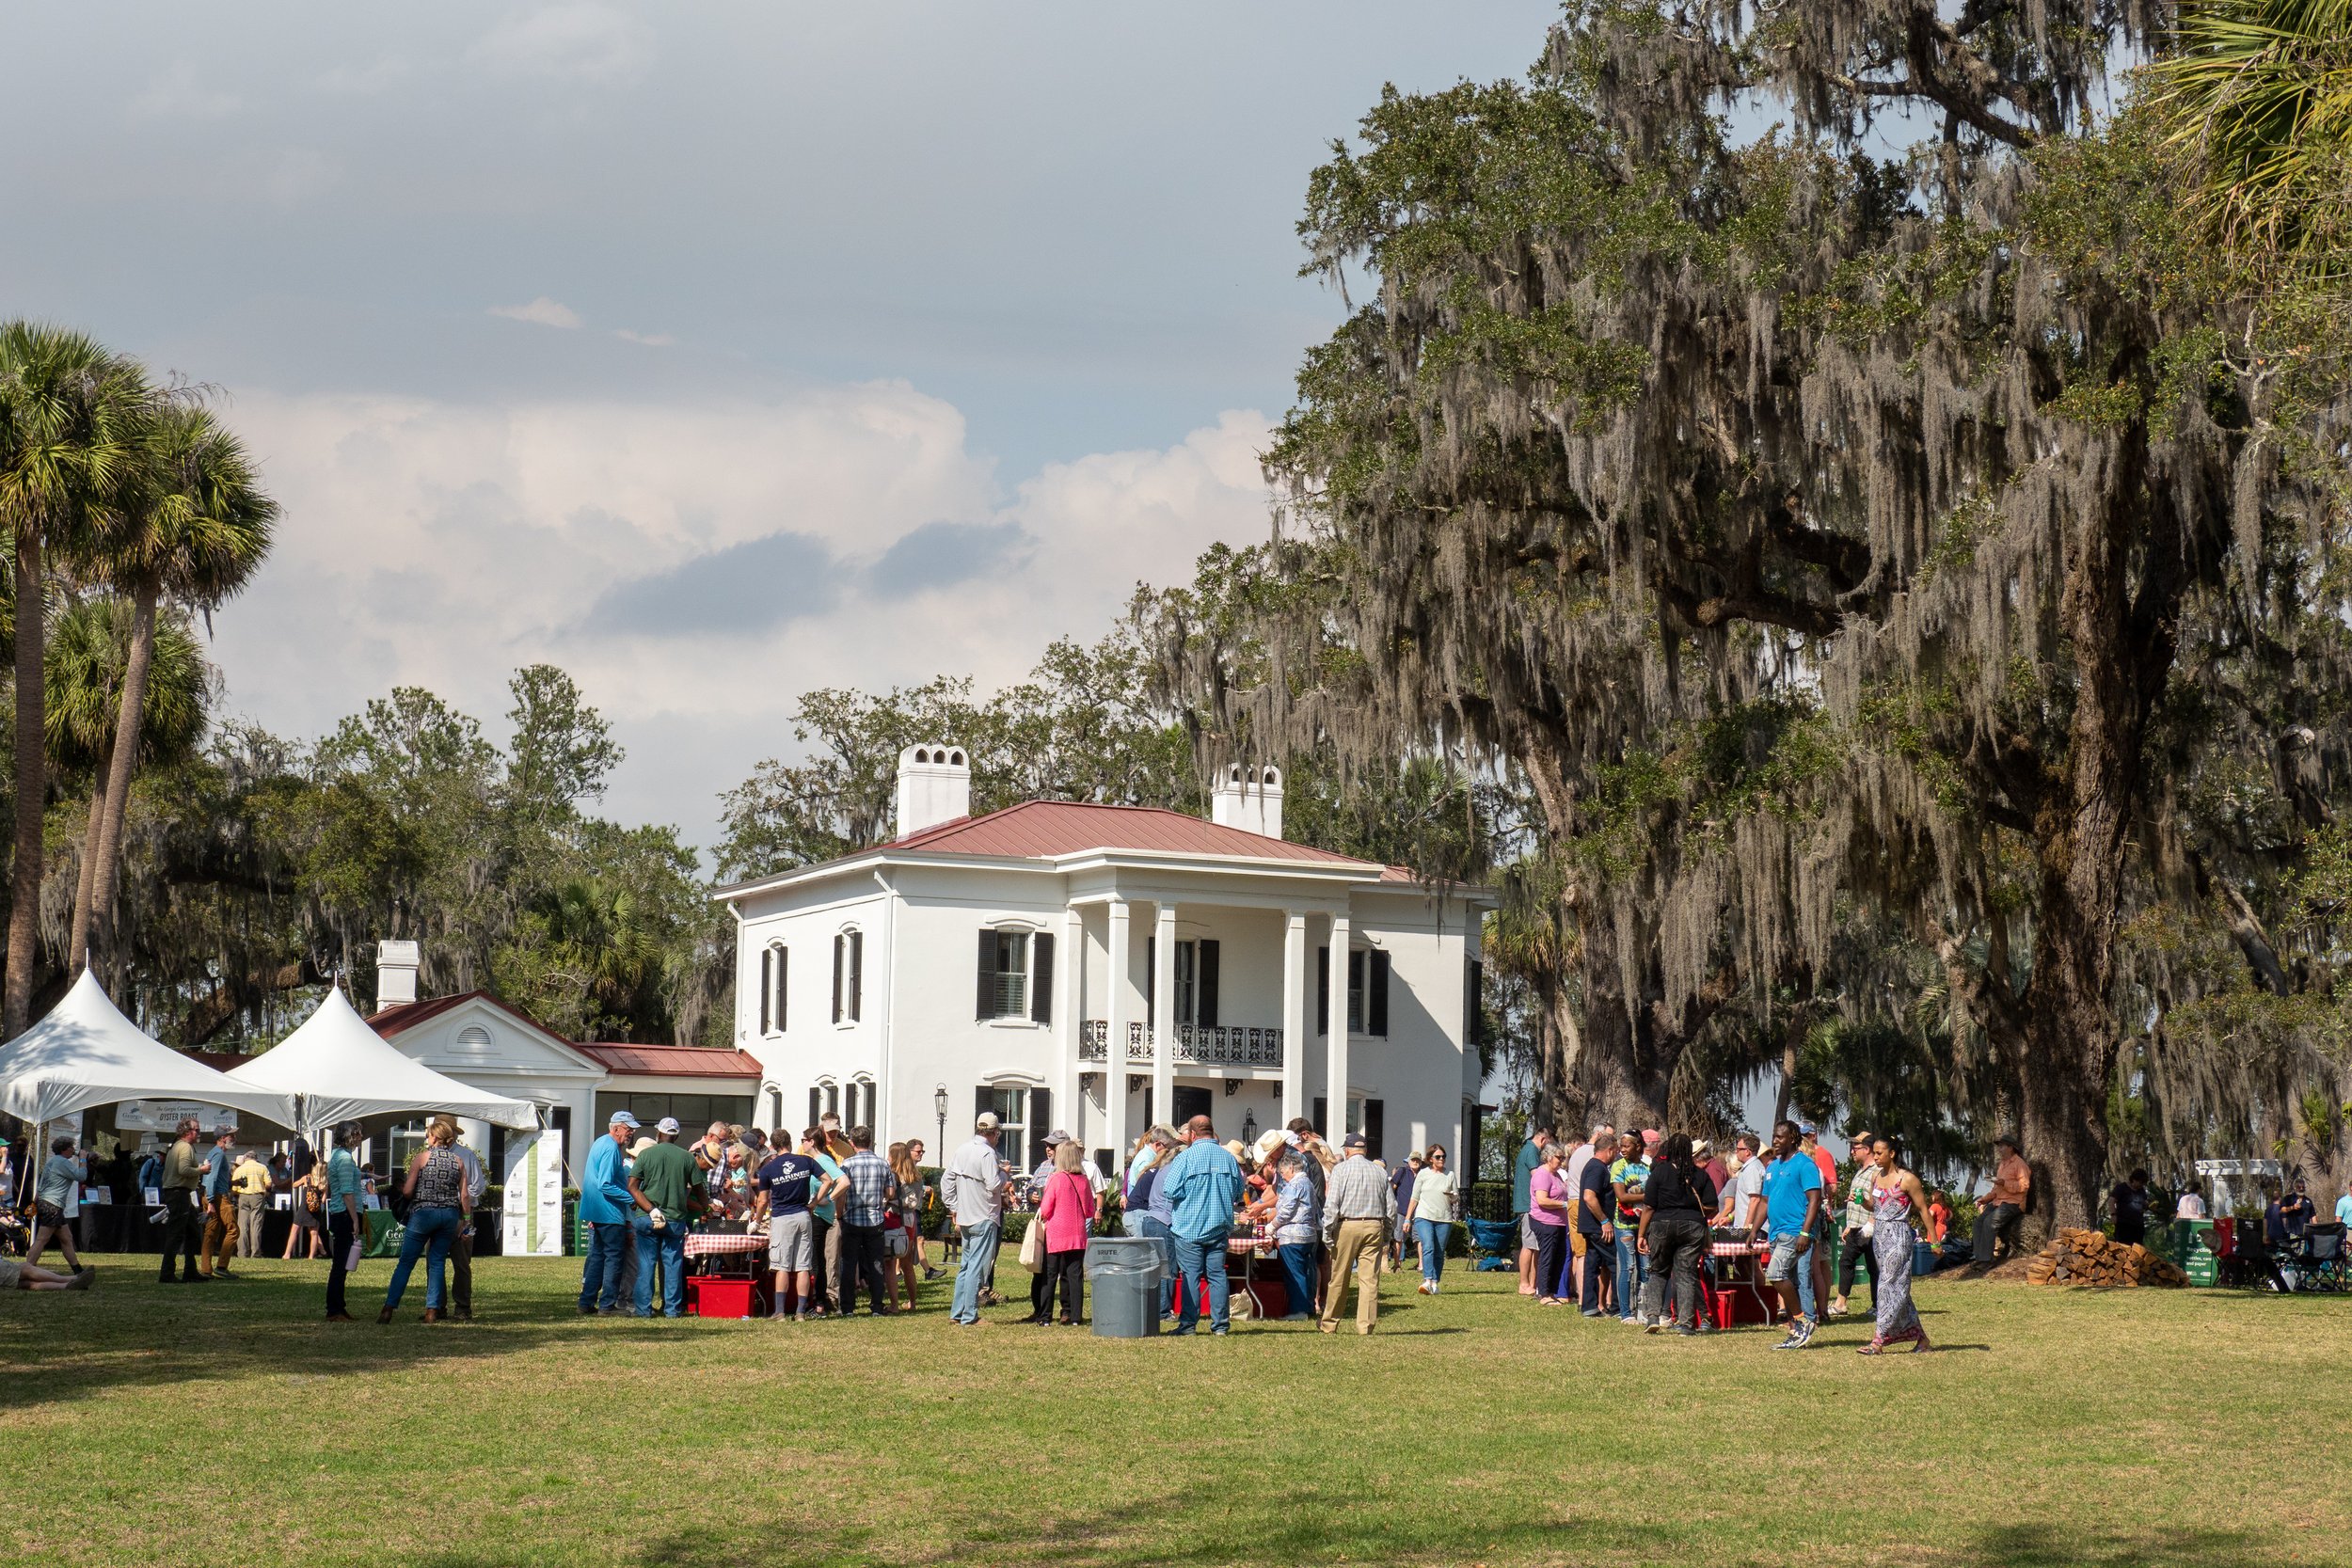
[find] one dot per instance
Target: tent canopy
(85, 1054)
(339, 1070)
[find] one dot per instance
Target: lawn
(226, 1426)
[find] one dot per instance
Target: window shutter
(1151, 979)
(1041, 1123)
(1375, 1112)
(816, 1104)
(1356, 991)
(1323, 1121)
(1042, 978)
(1474, 1003)
(1376, 994)
(1322, 1005)
(783, 986)
(984, 1007)
(857, 974)
(983, 1102)
(1204, 985)
(840, 946)
(767, 984)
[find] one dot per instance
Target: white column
(1117, 1013)
(1335, 1076)
(1163, 1012)
(1070, 1007)
(1294, 1022)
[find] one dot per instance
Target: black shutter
(1355, 993)
(816, 1104)
(1474, 1003)
(1204, 985)
(840, 945)
(1042, 978)
(857, 974)
(983, 1102)
(1323, 1004)
(1323, 1110)
(985, 1008)
(1151, 979)
(1375, 1115)
(1041, 1123)
(783, 987)
(1376, 995)
(767, 984)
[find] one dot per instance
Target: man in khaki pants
(1359, 1213)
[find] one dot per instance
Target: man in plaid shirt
(873, 1191)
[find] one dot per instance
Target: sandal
(1876, 1347)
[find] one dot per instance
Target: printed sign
(163, 1115)
(534, 1193)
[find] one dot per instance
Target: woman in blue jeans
(1148, 1211)
(1430, 1211)
(1296, 1232)
(437, 1208)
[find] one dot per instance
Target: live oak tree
(1821, 530)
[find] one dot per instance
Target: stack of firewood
(2087, 1257)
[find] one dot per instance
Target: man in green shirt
(1522, 1172)
(184, 1223)
(662, 1182)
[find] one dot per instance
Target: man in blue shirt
(605, 1208)
(1201, 1183)
(1792, 1200)
(220, 1208)
(787, 1184)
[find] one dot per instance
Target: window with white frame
(1015, 975)
(774, 967)
(848, 976)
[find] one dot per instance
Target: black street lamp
(939, 1103)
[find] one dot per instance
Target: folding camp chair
(2323, 1264)
(1494, 1245)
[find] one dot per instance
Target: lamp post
(1249, 1127)
(939, 1103)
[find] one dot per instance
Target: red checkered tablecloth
(706, 1243)
(1741, 1249)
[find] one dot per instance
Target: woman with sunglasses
(1430, 1213)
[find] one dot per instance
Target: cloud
(744, 588)
(300, 173)
(542, 311)
(941, 555)
(696, 565)
(176, 94)
(580, 43)
(650, 340)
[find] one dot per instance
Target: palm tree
(195, 527)
(69, 415)
(89, 649)
(2260, 92)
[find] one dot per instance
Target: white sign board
(163, 1115)
(534, 1193)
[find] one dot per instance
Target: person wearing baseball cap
(661, 1184)
(975, 1189)
(605, 1207)
(1359, 1212)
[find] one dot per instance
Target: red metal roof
(671, 1061)
(1038, 829)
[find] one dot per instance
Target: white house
(1005, 963)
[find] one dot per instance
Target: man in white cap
(975, 1189)
(662, 1183)
(605, 1207)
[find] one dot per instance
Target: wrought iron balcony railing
(1218, 1045)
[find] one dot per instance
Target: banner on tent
(534, 1193)
(162, 1115)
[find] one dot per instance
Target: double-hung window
(849, 975)
(773, 970)
(1015, 975)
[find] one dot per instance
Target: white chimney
(1249, 797)
(395, 973)
(934, 787)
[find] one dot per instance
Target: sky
(715, 353)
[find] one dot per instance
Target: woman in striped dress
(1896, 1199)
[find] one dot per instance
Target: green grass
(226, 1426)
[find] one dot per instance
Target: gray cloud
(754, 586)
(940, 555)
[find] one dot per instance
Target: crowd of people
(1629, 1224)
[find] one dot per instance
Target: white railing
(1218, 1045)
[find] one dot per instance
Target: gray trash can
(1126, 1278)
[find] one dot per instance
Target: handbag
(1032, 1244)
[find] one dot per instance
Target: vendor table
(728, 1252)
(1738, 1293)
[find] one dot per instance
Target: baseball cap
(1650, 1136)
(1806, 1129)
(986, 1122)
(667, 1124)
(1354, 1140)
(621, 1119)
(1057, 1138)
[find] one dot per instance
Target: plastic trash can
(1123, 1276)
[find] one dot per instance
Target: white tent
(337, 1068)
(85, 1054)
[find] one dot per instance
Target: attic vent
(473, 1038)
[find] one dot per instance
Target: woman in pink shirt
(1066, 1212)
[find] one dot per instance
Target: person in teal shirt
(1201, 1183)
(1627, 1173)
(1523, 1173)
(346, 1223)
(827, 1240)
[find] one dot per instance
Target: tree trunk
(77, 950)
(32, 781)
(123, 761)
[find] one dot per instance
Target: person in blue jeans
(437, 1208)
(974, 1188)
(662, 1184)
(1147, 1209)
(605, 1208)
(1297, 1230)
(1596, 1212)
(1202, 1182)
